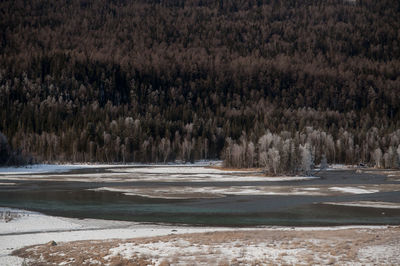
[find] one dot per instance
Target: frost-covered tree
(107, 144)
(165, 148)
(270, 160)
(377, 157)
(285, 155)
(186, 150)
(264, 142)
(145, 150)
(274, 159)
(390, 158)
(263, 160)
(250, 154)
(237, 158)
(205, 148)
(123, 153)
(324, 163)
(306, 158)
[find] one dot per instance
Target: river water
(201, 198)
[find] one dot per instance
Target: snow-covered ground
(376, 254)
(127, 177)
(195, 192)
(354, 190)
(175, 169)
(32, 228)
(57, 168)
(182, 252)
(92, 177)
(51, 168)
(39, 168)
(315, 246)
(367, 204)
(198, 172)
(341, 167)
(199, 167)
(187, 192)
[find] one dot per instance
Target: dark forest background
(282, 85)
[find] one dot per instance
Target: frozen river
(200, 195)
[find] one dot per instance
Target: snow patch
(188, 192)
(367, 204)
(7, 184)
(223, 252)
(32, 228)
(340, 167)
(145, 174)
(354, 190)
(38, 168)
(181, 169)
(387, 254)
(54, 168)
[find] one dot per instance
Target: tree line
(292, 153)
(282, 85)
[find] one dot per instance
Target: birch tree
(377, 157)
(306, 158)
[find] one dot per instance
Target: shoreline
(33, 228)
(36, 229)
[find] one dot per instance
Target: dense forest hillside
(276, 84)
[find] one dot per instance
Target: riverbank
(20, 228)
(34, 238)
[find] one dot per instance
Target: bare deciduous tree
(377, 157)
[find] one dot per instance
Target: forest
(281, 85)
